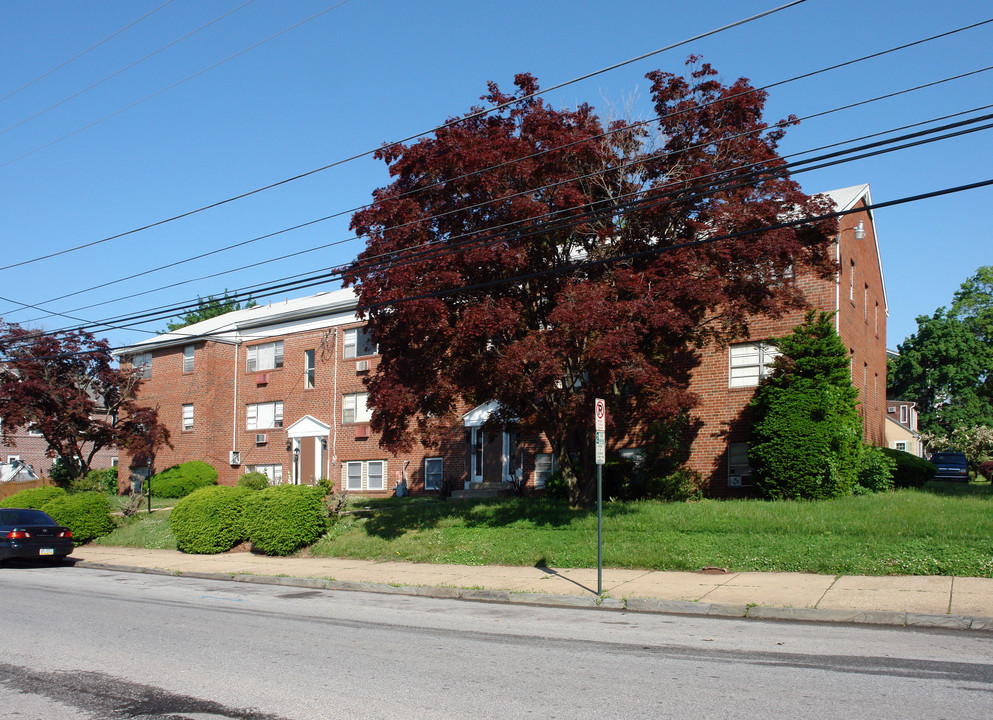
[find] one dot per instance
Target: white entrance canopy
(307, 426)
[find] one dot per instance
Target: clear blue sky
(370, 71)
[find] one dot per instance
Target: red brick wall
(33, 451)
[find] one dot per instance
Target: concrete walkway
(956, 602)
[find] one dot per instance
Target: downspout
(837, 283)
(234, 414)
(334, 408)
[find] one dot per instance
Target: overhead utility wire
(781, 124)
(647, 202)
(90, 48)
(613, 169)
(149, 97)
(646, 253)
(76, 94)
(366, 153)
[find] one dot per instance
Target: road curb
(640, 605)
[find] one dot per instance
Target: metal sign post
(600, 435)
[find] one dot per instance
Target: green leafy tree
(209, 307)
(945, 367)
(973, 304)
(807, 435)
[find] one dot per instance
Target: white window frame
(273, 471)
(541, 472)
(252, 413)
(356, 475)
(354, 408)
(265, 356)
(33, 431)
(738, 464)
(309, 369)
(187, 417)
(142, 362)
(749, 363)
(900, 445)
(114, 462)
(357, 342)
(903, 415)
(434, 473)
(188, 352)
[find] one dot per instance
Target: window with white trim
(33, 431)
(261, 416)
(142, 362)
(900, 445)
(188, 359)
(267, 356)
(750, 363)
(364, 475)
(739, 471)
(851, 282)
(114, 461)
(354, 409)
(309, 369)
(544, 467)
(903, 414)
(358, 342)
(187, 417)
(273, 472)
(433, 471)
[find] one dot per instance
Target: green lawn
(945, 529)
(142, 531)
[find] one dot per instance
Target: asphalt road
(97, 644)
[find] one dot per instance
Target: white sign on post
(600, 421)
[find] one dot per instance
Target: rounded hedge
(209, 520)
(911, 471)
(180, 480)
(254, 481)
(33, 498)
(284, 518)
(87, 514)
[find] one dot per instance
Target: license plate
(46, 551)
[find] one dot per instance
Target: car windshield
(949, 458)
(15, 516)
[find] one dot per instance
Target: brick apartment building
(278, 389)
(31, 449)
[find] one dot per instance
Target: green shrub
(678, 486)
(911, 471)
(102, 480)
(34, 498)
(284, 518)
(180, 480)
(806, 445)
(254, 481)
(87, 514)
(209, 520)
(876, 470)
(61, 473)
(556, 487)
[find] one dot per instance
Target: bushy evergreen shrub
(102, 480)
(33, 498)
(876, 470)
(911, 471)
(807, 435)
(180, 480)
(87, 514)
(254, 481)
(284, 518)
(209, 520)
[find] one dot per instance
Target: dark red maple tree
(66, 387)
(537, 257)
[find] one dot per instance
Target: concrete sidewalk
(954, 602)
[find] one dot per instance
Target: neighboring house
(901, 427)
(31, 449)
(278, 389)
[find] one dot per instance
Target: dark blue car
(32, 534)
(951, 466)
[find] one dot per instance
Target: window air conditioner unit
(261, 438)
(891, 408)
(262, 379)
(361, 432)
(362, 366)
(234, 457)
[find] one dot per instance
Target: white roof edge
(227, 327)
